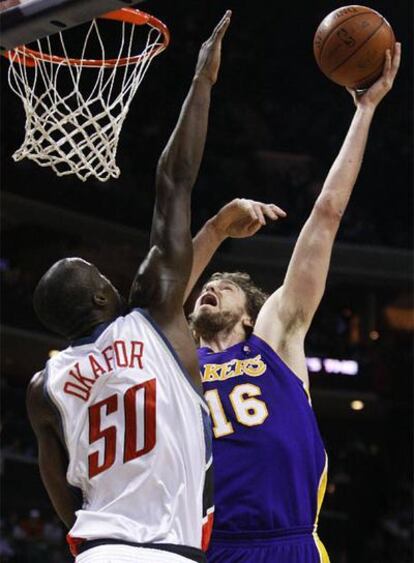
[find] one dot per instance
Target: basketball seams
(335, 28)
(330, 72)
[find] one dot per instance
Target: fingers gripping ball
(350, 44)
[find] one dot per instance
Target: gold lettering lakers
(254, 367)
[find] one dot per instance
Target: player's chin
(206, 323)
(205, 309)
(205, 316)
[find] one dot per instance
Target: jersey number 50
(142, 394)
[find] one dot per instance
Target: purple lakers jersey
(270, 462)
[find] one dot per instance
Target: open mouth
(209, 299)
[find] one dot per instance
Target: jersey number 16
(249, 410)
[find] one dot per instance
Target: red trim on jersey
(74, 544)
(206, 532)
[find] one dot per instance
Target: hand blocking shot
(123, 431)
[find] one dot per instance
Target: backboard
(24, 21)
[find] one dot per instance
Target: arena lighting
(357, 405)
(332, 365)
(374, 335)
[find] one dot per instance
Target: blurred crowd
(31, 537)
(367, 514)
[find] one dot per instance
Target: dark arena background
(276, 125)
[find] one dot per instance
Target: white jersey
(137, 434)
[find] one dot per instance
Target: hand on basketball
(242, 218)
(374, 94)
(209, 58)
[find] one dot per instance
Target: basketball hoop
(74, 118)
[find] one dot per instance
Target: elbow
(163, 175)
(329, 209)
(173, 176)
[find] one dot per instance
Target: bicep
(305, 280)
(286, 316)
(284, 335)
(158, 285)
(276, 325)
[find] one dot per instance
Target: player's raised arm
(240, 218)
(162, 279)
(289, 311)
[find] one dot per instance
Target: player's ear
(247, 321)
(99, 298)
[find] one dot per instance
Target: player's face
(222, 304)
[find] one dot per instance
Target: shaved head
(73, 296)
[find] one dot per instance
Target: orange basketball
(350, 44)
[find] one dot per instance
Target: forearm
(305, 280)
(181, 158)
(176, 174)
(343, 174)
(63, 499)
(205, 244)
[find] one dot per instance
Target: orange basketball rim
(30, 57)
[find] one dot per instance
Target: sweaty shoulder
(35, 388)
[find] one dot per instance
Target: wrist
(215, 231)
(366, 109)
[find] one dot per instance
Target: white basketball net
(73, 122)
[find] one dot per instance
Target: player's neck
(224, 339)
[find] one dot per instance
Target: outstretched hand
(209, 57)
(383, 85)
(242, 218)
